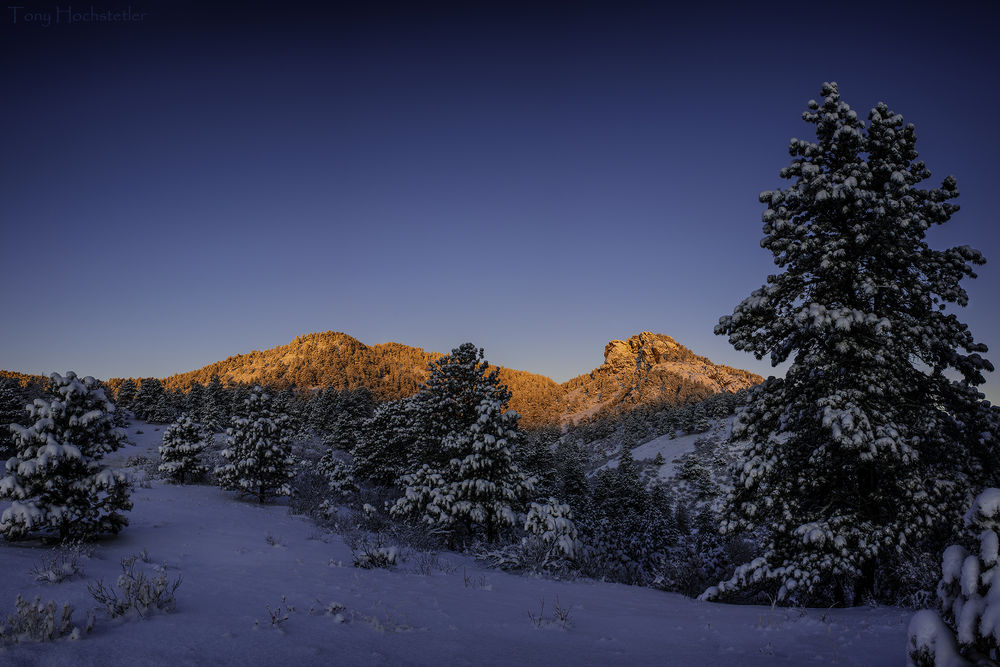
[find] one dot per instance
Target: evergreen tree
(354, 408)
(383, 449)
(403, 436)
(150, 402)
(571, 472)
(258, 450)
(481, 489)
(126, 396)
(239, 401)
(12, 411)
(340, 483)
(537, 458)
(877, 435)
(194, 403)
(216, 410)
(699, 419)
(56, 480)
(166, 408)
(183, 443)
(449, 402)
(323, 409)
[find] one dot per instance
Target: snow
(428, 610)
(928, 632)
(985, 506)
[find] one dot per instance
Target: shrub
(39, 622)
(136, 591)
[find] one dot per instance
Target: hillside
(645, 369)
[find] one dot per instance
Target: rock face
(645, 350)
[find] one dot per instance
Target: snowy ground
(238, 558)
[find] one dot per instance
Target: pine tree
(127, 392)
(699, 419)
(12, 412)
(340, 483)
(449, 402)
(194, 402)
(403, 436)
(383, 449)
(150, 402)
(481, 489)
(216, 410)
(56, 480)
(571, 472)
(258, 450)
(877, 435)
(183, 443)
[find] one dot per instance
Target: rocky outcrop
(649, 369)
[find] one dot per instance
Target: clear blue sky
(537, 180)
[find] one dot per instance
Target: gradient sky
(538, 179)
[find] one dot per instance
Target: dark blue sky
(537, 179)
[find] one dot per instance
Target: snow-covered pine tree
(402, 436)
(258, 450)
(217, 405)
(572, 459)
(194, 402)
(877, 434)
(146, 399)
(125, 397)
(167, 408)
(699, 419)
(354, 408)
(969, 602)
(56, 480)
(449, 402)
(381, 454)
(481, 489)
(340, 483)
(12, 411)
(183, 443)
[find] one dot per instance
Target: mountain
(649, 369)
(646, 369)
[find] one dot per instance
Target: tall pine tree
(877, 436)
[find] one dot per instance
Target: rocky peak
(643, 350)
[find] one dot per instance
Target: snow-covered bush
(56, 480)
(970, 603)
(183, 443)
(550, 523)
(61, 564)
(136, 591)
(258, 451)
(372, 550)
(39, 622)
(340, 482)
